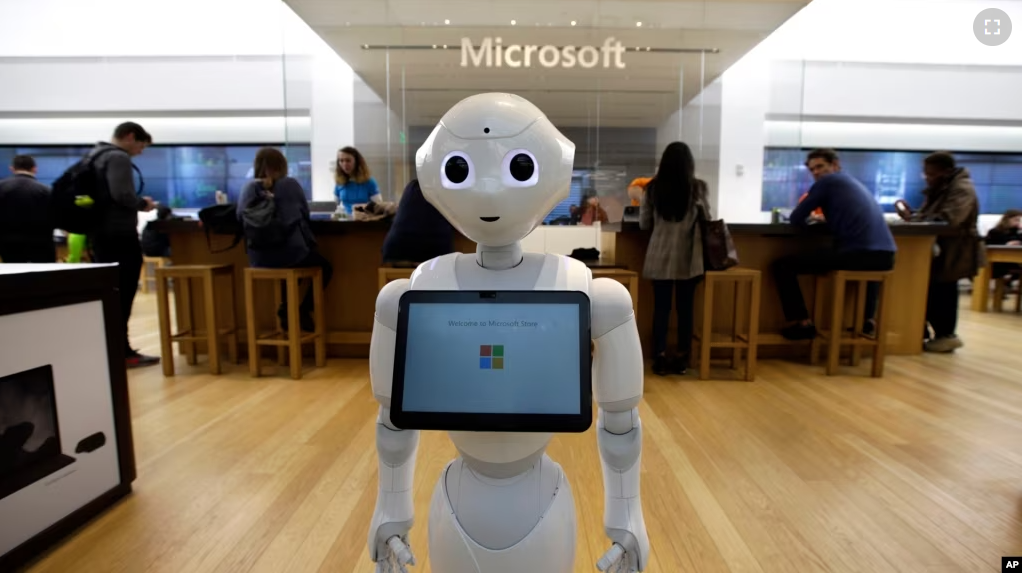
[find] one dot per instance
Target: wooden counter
(354, 249)
(759, 245)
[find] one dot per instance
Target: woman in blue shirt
(354, 185)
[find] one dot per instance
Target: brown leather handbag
(718, 248)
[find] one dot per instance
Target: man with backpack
(115, 237)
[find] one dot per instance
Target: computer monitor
(30, 445)
(504, 361)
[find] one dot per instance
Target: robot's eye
(457, 171)
(520, 169)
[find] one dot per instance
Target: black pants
(788, 269)
(685, 290)
(943, 308)
(24, 252)
(314, 259)
(126, 251)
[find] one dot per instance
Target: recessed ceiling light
(348, 23)
(638, 24)
(446, 21)
(648, 48)
(573, 22)
(445, 46)
(435, 46)
(513, 22)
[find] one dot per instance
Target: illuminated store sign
(491, 54)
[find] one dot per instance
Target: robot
(494, 167)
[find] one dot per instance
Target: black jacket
(25, 215)
(419, 232)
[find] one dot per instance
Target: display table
(982, 282)
(353, 247)
(66, 449)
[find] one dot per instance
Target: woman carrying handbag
(674, 205)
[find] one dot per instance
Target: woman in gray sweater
(674, 256)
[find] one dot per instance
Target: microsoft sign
(492, 54)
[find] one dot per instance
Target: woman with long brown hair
(354, 183)
(292, 244)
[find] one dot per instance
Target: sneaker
(134, 360)
(945, 344)
(799, 332)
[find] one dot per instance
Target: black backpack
(80, 196)
(263, 229)
(221, 220)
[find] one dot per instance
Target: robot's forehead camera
(490, 116)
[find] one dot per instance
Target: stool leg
(859, 317)
(877, 368)
(212, 336)
(186, 300)
(754, 329)
(232, 337)
(837, 314)
(321, 320)
(166, 346)
(707, 328)
(294, 330)
(144, 287)
(999, 294)
(281, 351)
(736, 315)
(818, 317)
(250, 318)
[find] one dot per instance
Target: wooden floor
(920, 471)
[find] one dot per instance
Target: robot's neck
(498, 258)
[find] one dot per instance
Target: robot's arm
(396, 448)
(618, 386)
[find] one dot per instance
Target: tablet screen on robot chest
(504, 361)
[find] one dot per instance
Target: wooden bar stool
(835, 337)
(157, 263)
(190, 334)
(736, 340)
(293, 337)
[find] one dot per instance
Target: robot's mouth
(490, 219)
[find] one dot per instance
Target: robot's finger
(613, 555)
(400, 550)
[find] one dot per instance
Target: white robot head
(495, 166)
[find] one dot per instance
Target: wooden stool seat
(707, 339)
(144, 276)
(190, 334)
(293, 338)
(855, 338)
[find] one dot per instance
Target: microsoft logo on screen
(491, 356)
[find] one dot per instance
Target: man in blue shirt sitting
(863, 241)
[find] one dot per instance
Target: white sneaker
(943, 344)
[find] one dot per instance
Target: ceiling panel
(642, 94)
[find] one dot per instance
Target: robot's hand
(399, 553)
(618, 559)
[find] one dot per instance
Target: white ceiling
(643, 94)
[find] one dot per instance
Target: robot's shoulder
(610, 305)
(563, 273)
(387, 301)
(437, 274)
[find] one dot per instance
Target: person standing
(117, 239)
(674, 257)
(863, 241)
(950, 197)
(354, 183)
(26, 224)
